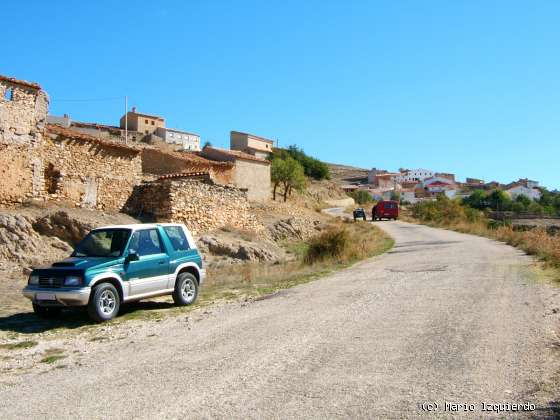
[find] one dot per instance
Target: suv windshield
(103, 243)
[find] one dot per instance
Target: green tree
(535, 208)
(207, 143)
(288, 173)
(277, 174)
(477, 200)
(312, 167)
(523, 200)
(499, 200)
(295, 177)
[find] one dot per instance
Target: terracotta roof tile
(19, 82)
(109, 128)
(76, 135)
(155, 117)
(185, 175)
(191, 157)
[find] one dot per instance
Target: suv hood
(83, 263)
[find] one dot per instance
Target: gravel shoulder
(442, 317)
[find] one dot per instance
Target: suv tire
(104, 303)
(45, 311)
(186, 289)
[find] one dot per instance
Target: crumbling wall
(23, 112)
(201, 206)
(89, 174)
(157, 162)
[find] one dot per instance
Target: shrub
(328, 245)
(346, 243)
(361, 197)
(443, 209)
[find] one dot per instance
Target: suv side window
(146, 242)
(177, 237)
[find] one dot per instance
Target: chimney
(134, 109)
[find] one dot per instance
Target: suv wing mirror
(132, 256)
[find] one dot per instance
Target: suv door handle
(161, 262)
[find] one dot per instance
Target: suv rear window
(177, 237)
(146, 242)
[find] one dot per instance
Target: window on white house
(9, 94)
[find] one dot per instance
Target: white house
(409, 196)
(410, 175)
(437, 185)
(532, 193)
(187, 141)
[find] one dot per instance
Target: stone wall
(202, 206)
(87, 172)
(23, 111)
(161, 163)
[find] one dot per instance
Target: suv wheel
(45, 311)
(104, 303)
(186, 289)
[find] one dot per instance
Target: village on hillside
(414, 185)
(135, 166)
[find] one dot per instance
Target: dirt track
(442, 317)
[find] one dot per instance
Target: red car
(385, 210)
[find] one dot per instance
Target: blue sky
(470, 87)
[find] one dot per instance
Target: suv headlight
(72, 281)
(33, 279)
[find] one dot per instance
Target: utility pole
(126, 120)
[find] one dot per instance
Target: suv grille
(51, 281)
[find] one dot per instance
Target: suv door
(150, 272)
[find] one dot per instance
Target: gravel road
(442, 317)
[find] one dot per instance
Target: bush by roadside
(343, 243)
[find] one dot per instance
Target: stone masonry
(23, 112)
(196, 201)
(40, 161)
(88, 172)
(158, 162)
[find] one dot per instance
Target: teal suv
(117, 264)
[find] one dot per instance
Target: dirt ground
(442, 317)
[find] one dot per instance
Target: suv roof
(137, 226)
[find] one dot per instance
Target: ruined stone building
(89, 172)
(23, 111)
(195, 200)
(157, 162)
(64, 163)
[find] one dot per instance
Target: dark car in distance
(360, 213)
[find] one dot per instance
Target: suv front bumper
(67, 297)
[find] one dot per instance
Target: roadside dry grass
(361, 240)
(537, 242)
(19, 345)
(53, 355)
